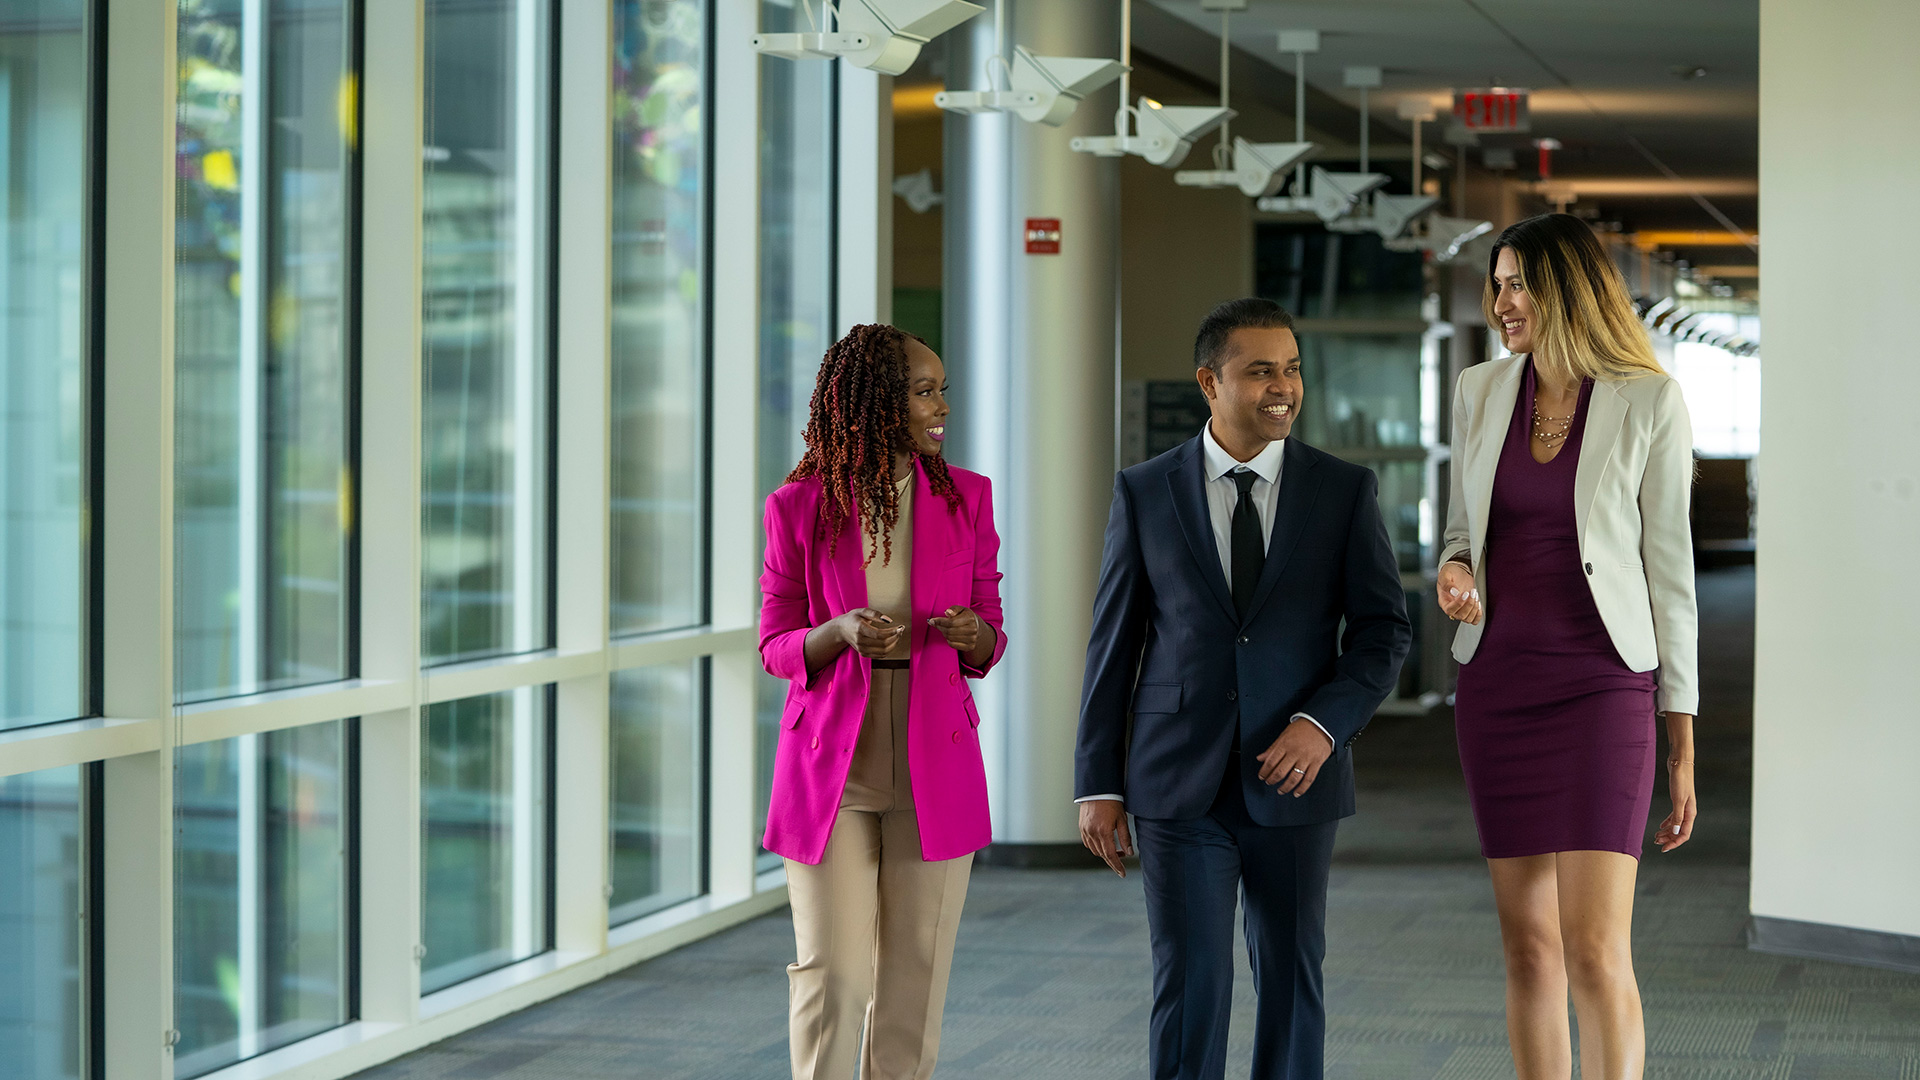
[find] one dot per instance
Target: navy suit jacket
(1169, 648)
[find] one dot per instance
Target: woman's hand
(1459, 596)
(869, 633)
(970, 637)
(1677, 829)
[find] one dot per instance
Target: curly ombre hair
(1585, 325)
(857, 421)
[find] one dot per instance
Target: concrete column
(1839, 515)
(1032, 353)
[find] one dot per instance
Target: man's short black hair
(1248, 313)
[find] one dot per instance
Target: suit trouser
(874, 923)
(1194, 869)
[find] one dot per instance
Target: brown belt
(897, 665)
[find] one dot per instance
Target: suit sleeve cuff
(1323, 728)
(1099, 798)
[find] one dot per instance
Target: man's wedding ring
(1302, 772)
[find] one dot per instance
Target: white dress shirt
(1223, 494)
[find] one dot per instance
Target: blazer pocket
(959, 558)
(973, 714)
(1156, 698)
(794, 720)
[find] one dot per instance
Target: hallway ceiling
(1603, 75)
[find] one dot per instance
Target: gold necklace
(1551, 437)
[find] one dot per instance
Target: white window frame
(142, 727)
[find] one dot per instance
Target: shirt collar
(1266, 464)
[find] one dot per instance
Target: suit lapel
(1606, 415)
(1187, 485)
(1483, 456)
(1299, 483)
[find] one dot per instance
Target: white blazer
(1631, 491)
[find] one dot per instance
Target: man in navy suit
(1249, 621)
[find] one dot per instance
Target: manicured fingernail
(1453, 592)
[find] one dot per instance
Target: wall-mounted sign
(1043, 236)
(1494, 108)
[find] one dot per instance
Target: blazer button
(953, 677)
(816, 743)
(1233, 695)
(1589, 569)
(956, 736)
(1243, 639)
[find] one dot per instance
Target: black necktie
(1249, 548)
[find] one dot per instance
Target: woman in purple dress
(1569, 563)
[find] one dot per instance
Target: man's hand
(1292, 762)
(1103, 828)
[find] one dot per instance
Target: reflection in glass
(1363, 391)
(486, 801)
(796, 291)
(262, 492)
(43, 376)
(42, 988)
(487, 268)
(770, 698)
(796, 243)
(659, 359)
(260, 893)
(655, 731)
(1316, 274)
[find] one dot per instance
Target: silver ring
(1302, 772)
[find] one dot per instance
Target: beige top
(890, 582)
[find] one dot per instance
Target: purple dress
(1556, 732)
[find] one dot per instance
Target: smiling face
(1256, 393)
(926, 400)
(1512, 307)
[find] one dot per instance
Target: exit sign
(1495, 108)
(1043, 236)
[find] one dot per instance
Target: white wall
(1836, 818)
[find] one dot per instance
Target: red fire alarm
(1043, 236)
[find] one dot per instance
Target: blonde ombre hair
(1585, 325)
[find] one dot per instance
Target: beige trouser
(874, 923)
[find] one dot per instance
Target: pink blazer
(954, 563)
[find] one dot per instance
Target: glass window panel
(486, 440)
(260, 893)
(43, 373)
(486, 798)
(1723, 395)
(770, 699)
(656, 728)
(262, 488)
(1363, 391)
(659, 353)
(42, 930)
(796, 289)
(1316, 274)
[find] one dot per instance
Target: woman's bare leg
(1596, 925)
(1527, 893)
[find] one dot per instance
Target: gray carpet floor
(1052, 974)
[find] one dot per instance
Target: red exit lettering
(1491, 109)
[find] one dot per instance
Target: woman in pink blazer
(882, 599)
